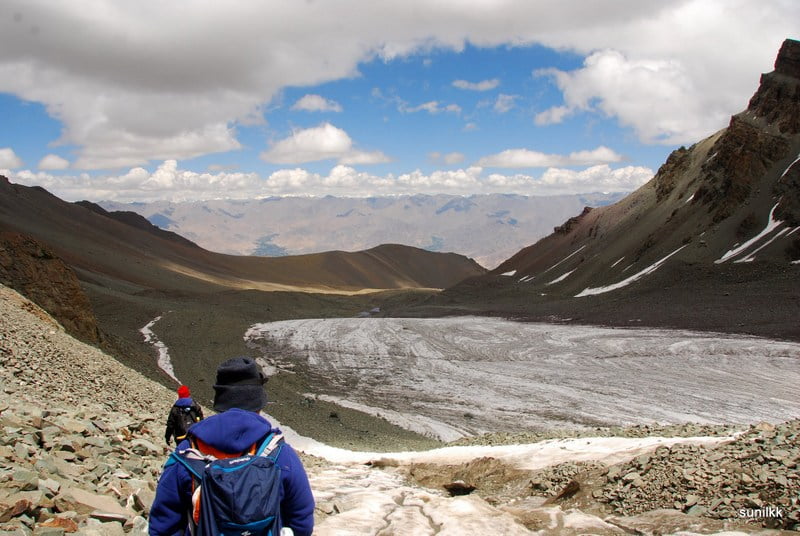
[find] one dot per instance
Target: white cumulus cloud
(552, 116)
(526, 158)
(170, 183)
(316, 103)
(53, 162)
(323, 142)
(616, 86)
(504, 103)
(9, 159)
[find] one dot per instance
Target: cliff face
(35, 271)
(777, 100)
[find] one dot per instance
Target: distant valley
(487, 228)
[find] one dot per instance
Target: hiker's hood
(234, 430)
(184, 402)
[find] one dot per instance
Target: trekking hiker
(234, 473)
(183, 414)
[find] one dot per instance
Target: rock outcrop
(32, 269)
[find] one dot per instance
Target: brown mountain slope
(104, 249)
(135, 220)
(719, 219)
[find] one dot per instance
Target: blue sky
(168, 100)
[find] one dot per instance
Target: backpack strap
(191, 458)
(271, 446)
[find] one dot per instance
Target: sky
(178, 100)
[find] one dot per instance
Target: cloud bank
(153, 81)
(168, 182)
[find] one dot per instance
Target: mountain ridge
(486, 227)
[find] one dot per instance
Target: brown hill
(105, 248)
(719, 219)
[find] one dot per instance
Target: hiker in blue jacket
(239, 397)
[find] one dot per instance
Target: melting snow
(562, 278)
(478, 374)
(751, 256)
(416, 423)
(616, 263)
(625, 282)
(772, 224)
(565, 258)
(164, 361)
(789, 167)
(374, 501)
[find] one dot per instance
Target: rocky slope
(82, 440)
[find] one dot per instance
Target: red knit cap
(183, 392)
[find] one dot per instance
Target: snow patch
(751, 256)
(512, 272)
(562, 278)
(416, 423)
(625, 282)
(616, 263)
(565, 258)
(772, 224)
(164, 361)
(789, 167)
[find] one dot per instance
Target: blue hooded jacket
(232, 431)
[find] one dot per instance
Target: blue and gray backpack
(235, 496)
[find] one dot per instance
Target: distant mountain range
(487, 228)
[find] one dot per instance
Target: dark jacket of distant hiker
(234, 430)
(183, 414)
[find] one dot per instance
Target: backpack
(187, 416)
(239, 495)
